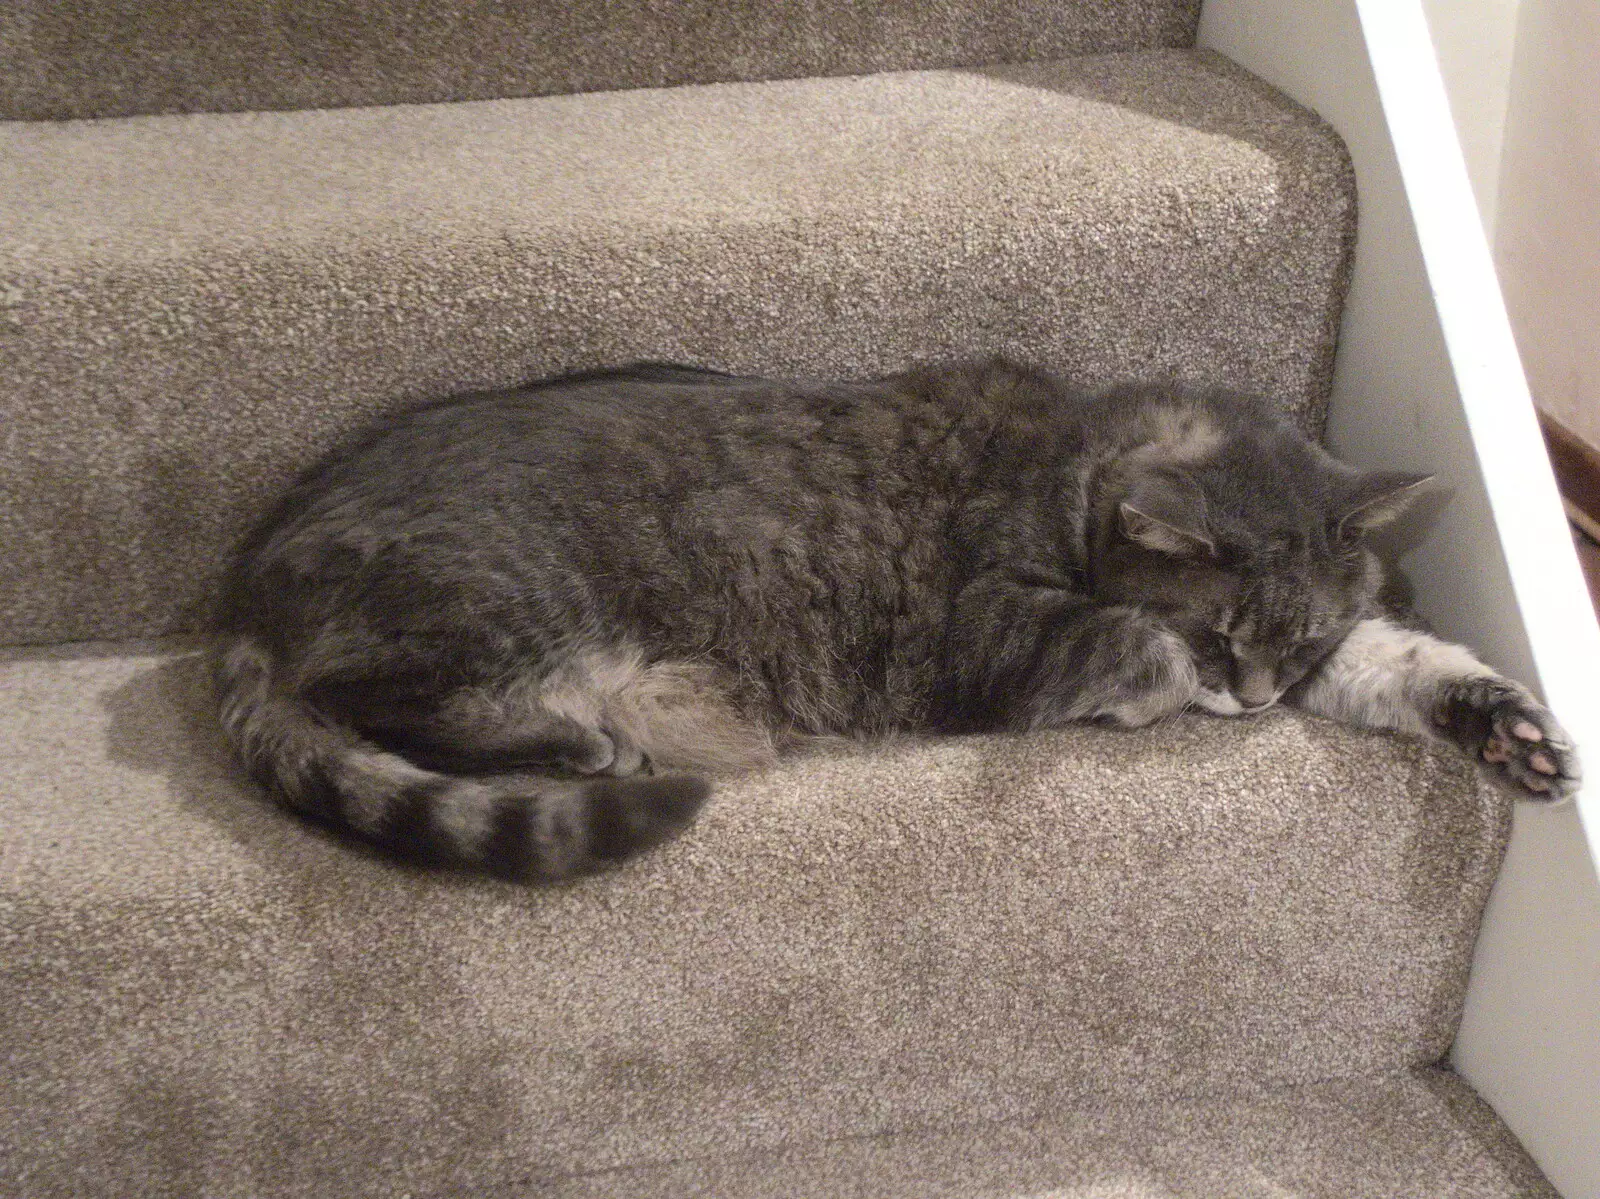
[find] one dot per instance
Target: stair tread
(194, 306)
(1416, 1135)
(90, 58)
(1088, 131)
(920, 935)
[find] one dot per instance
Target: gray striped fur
(523, 630)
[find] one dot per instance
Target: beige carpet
(192, 307)
(1208, 959)
(204, 996)
(1417, 1135)
(97, 58)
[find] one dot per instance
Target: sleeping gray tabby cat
(521, 631)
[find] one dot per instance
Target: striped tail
(515, 826)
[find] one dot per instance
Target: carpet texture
(1210, 958)
(193, 307)
(1422, 1134)
(62, 59)
(204, 996)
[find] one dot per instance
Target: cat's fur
(521, 630)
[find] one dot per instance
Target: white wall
(1428, 378)
(1523, 78)
(1547, 227)
(1474, 40)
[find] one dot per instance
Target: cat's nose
(1256, 688)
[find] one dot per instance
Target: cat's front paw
(1152, 677)
(1118, 667)
(1512, 735)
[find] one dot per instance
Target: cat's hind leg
(600, 711)
(478, 729)
(339, 756)
(669, 716)
(1386, 676)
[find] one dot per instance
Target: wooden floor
(1589, 557)
(1576, 464)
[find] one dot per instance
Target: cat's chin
(1218, 703)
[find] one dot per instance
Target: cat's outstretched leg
(1386, 676)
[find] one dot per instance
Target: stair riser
(921, 936)
(1420, 1135)
(174, 357)
(192, 436)
(99, 58)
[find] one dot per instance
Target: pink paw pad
(1496, 750)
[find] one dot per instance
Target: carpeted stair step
(1420, 1134)
(204, 996)
(192, 307)
(62, 59)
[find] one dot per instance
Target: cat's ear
(1168, 516)
(1375, 501)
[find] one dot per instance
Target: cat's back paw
(1515, 739)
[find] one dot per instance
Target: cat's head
(1255, 556)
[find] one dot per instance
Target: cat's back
(601, 447)
(611, 471)
(631, 425)
(597, 427)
